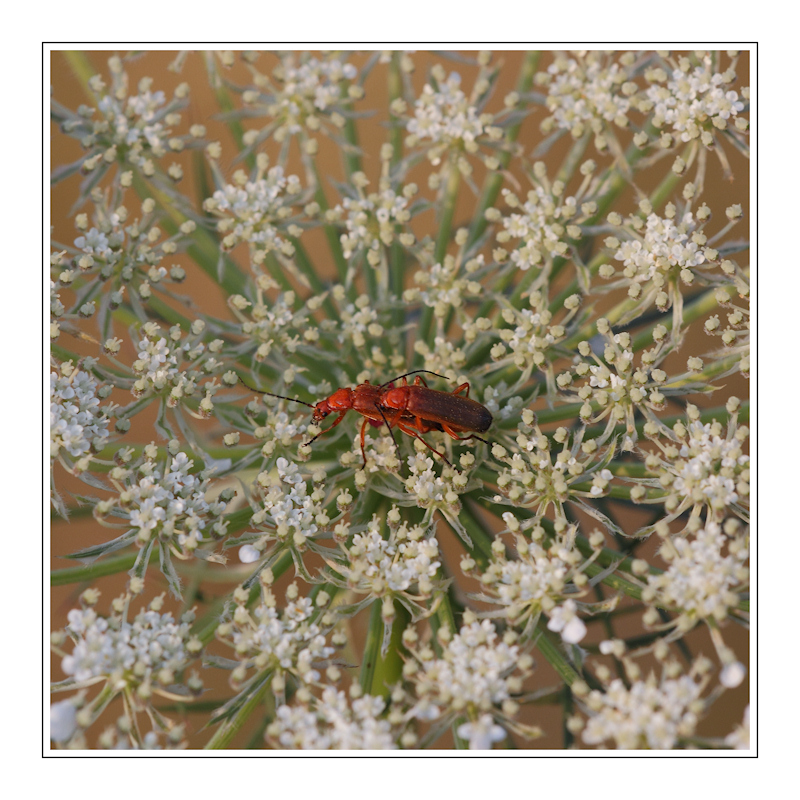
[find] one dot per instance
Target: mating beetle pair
(413, 408)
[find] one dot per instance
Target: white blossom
(645, 716)
(333, 723)
(76, 421)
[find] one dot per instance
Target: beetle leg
(450, 432)
(338, 420)
(461, 389)
(363, 453)
(412, 432)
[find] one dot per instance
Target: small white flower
(63, 721)
(664, 245)
(732, 675)
(688, 100)
(581, 93)
(564, 620)
(482, 734)
(700, 580)
(248, 554)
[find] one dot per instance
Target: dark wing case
(454, 410)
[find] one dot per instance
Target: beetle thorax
(340, 400)
(395, 398)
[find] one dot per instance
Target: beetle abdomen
(457, 412)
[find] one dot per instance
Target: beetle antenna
(413, 372)
(271, 394)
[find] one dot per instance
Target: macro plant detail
(352, 553)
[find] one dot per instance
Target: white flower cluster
(616, 387)
(529, 340)
(270, 322)
(442, 289)
(176, 363)
(128, 249)
(406, 559)
(173, 507)
(646, 715)
(96, 244)
(256, 208)
(690, 99)
(136, 123)
(380, 449)
(152, 648)
(288, 504)
(287, 642)
(358, 319)
(541, 226)
(311, 85)
(578, 94)
(701, 581)
(333, 723)
(445, 117)
(534, 581)
(157, 364)
(76, 421)
(445, 357)
(431, 490)
(706, 472)
(536, 477)
(662, 246)
(370, 221)
(472, 676)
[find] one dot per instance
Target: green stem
(550, 647)
(372, 648)
(100, 569)
(232, 725)
(82, 69)
(378, 672)
(331, 232)
(445, 223)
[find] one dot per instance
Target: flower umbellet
(478, 675)
(303, 95)
(258, 210)
(131, 131)
(653, 712)
(162, 505)
(447, 124)
(370, 580)
(589, 91)
(140, 659)
(333, 722)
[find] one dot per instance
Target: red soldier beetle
(414, 409)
